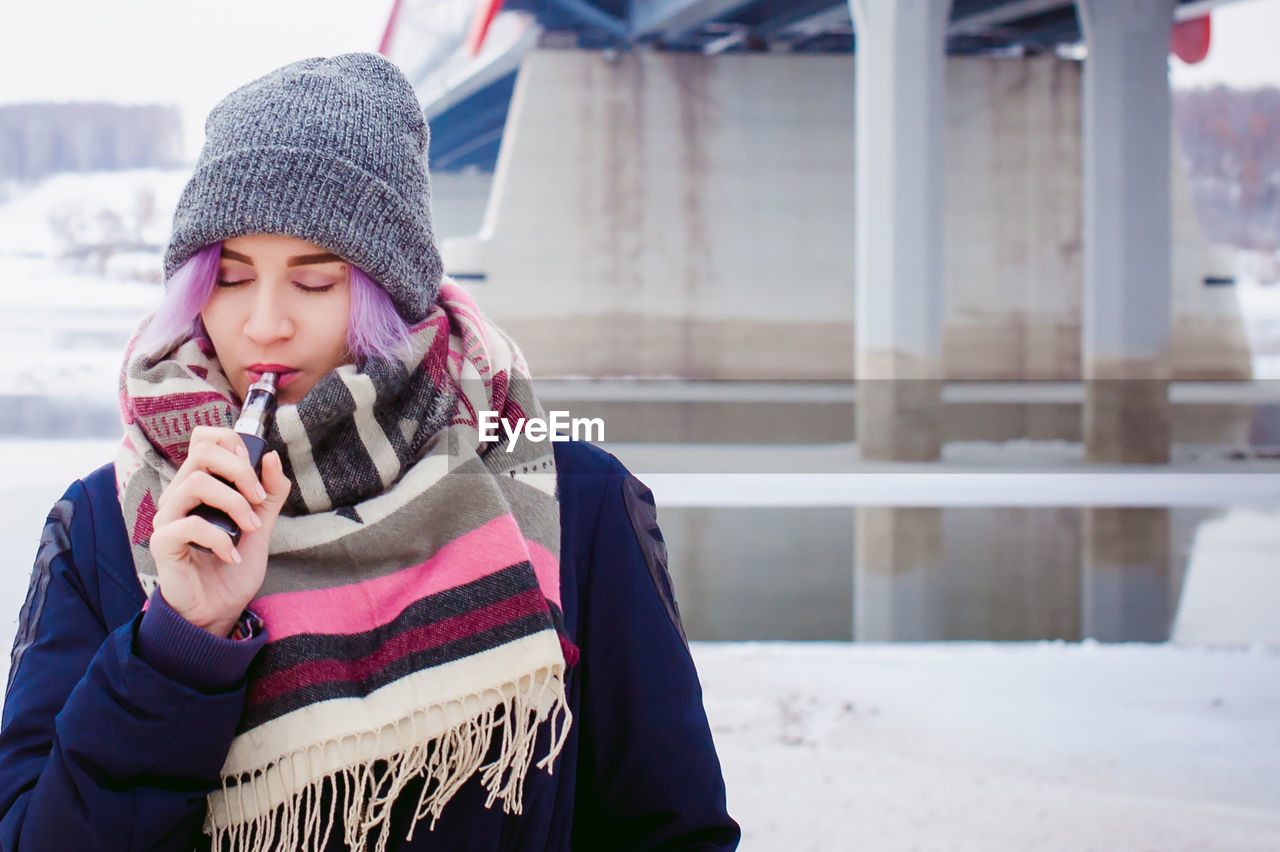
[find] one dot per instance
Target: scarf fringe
(445, 761)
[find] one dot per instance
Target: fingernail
(257, 522)
(235, 554)
(242, 450)
(262, 492)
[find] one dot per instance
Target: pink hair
(376, 329)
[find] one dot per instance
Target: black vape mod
(255, 417)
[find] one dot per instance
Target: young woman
(423, 639)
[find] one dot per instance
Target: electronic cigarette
(255, 417)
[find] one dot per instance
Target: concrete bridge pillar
(1127, 233)
(1127, 302)
(900, 165)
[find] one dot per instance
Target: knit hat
(329, 150)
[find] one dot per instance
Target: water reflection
(877, 574)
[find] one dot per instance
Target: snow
(907, 489)
(142, 197)
(1260, 310)
(1232, 588)
(36, 475)
(979, 746)
(1012, 473)
(64, 333)
(63, 324)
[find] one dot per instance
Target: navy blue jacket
(117, 721)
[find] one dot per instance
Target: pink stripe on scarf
(144, 527)
(148, 405)
(420, 638)
(546, 565)
(358, 607)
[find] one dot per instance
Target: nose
(268, 319)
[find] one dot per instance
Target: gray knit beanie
(329, 150)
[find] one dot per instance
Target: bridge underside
(716, 189)
(467, 131)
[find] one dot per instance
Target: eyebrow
(300, 260)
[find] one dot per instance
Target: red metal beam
(389, 33)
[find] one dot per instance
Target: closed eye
(304, 288)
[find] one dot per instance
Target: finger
(275, 482)
(233, 467)
(172, 541)
(215, 459)
(202, 487)
(222, 435)
(206, 440)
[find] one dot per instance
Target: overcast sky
(192, 52)
(184, 52)
(1242, 51)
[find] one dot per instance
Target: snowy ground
(64, 323)
(1260, 308)
(64, 333)
(970, 746)
(971, 473)
(1231, 592)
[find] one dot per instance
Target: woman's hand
(211, 590)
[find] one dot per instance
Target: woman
(415, 625)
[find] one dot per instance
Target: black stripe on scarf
(412, 663)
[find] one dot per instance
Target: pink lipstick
(284, 375)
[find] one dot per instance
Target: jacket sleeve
(99, 750)
(648, 774)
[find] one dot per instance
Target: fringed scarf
(412, 595)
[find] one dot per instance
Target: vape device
(255, 417)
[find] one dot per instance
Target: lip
(286, 374)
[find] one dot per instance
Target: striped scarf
(412, 595)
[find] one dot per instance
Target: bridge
(676, 160)
(467, 96)
(901, 194)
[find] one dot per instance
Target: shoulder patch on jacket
(55, 539)
(643, 512)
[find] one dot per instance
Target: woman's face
(280, 304)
